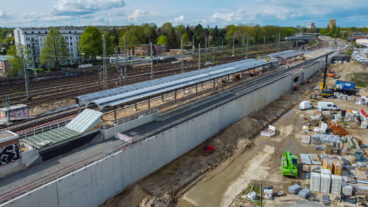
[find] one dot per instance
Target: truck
(289, 164)
(345, 87)
(322, 106)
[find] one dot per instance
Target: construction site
(282, 128)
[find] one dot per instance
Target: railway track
(70, 90)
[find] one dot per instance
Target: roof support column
(214, 84)
(196, 90)
(149, 103)
(175, 96)
(163, 97)
(136, 106)
(115, 117)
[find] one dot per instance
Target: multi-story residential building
(34, 39)
(311, 25)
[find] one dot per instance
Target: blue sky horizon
(36, 13)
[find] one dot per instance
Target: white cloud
(80, 7)
(3, 15)
(138, 13)
(179, 19)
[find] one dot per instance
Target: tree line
(127, 38)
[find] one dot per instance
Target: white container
(336, 184)
(315, 182)
(325, 183)
(326, 171)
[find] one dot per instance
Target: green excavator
(289, 164)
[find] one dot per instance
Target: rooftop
(7, 136)
(129, 93)
(52, 137)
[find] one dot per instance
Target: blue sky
(25, 13)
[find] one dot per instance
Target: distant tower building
(332, 23)
(311, 25)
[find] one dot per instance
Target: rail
(101, 153)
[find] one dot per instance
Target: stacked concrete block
(327, 164)
(336, 184)
(325, 183)
(304, 193)
(337, 167)
(326, 171)
(347, 189)
(294, 189)
(315, 182)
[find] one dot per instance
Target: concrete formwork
(93, 184)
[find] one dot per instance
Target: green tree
(162, 40)
(110, 44)
(90, 44)
(15, 60)
(54, 49)
(185, 38)
(130, 39)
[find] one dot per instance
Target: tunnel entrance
(296, 79)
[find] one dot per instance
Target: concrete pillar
(175, 96)
(214, 84)
(149, 103)
(136, 106)
(163, 97)
(115, 117)
(196, 92)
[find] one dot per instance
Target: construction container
(347, 189)
(327, 164)
(15, 112)
(315, 182)
(325, 183)
(336, 167)
(336, 184)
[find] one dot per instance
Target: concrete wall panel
(97, 182)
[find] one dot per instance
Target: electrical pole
(104, 67)
(182, 60)
(152, 76)
(264, 41)
(246, 56)
(278, 45)
(24, 64)
(243, 45)
(233, 46)
(125, 48)
(199, 56)
(193, 46)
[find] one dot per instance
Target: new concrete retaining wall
(93, 184)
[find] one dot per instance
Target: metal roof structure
(286, 54)
(129, 93)
(85, 121)
(52, 137)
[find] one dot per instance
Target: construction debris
(294, 189)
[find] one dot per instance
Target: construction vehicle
(208, 149)
(289, 164)
(345, 87)
(324, 88)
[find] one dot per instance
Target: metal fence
(44, 129)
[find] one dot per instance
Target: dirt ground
(241, 157)
(164, 186)
(39, 109)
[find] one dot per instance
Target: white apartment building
(34, 39)
(311, 25)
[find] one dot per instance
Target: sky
(36, 13)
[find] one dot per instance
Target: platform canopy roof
(137, 91)
(286, 54)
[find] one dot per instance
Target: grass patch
(360, 79)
